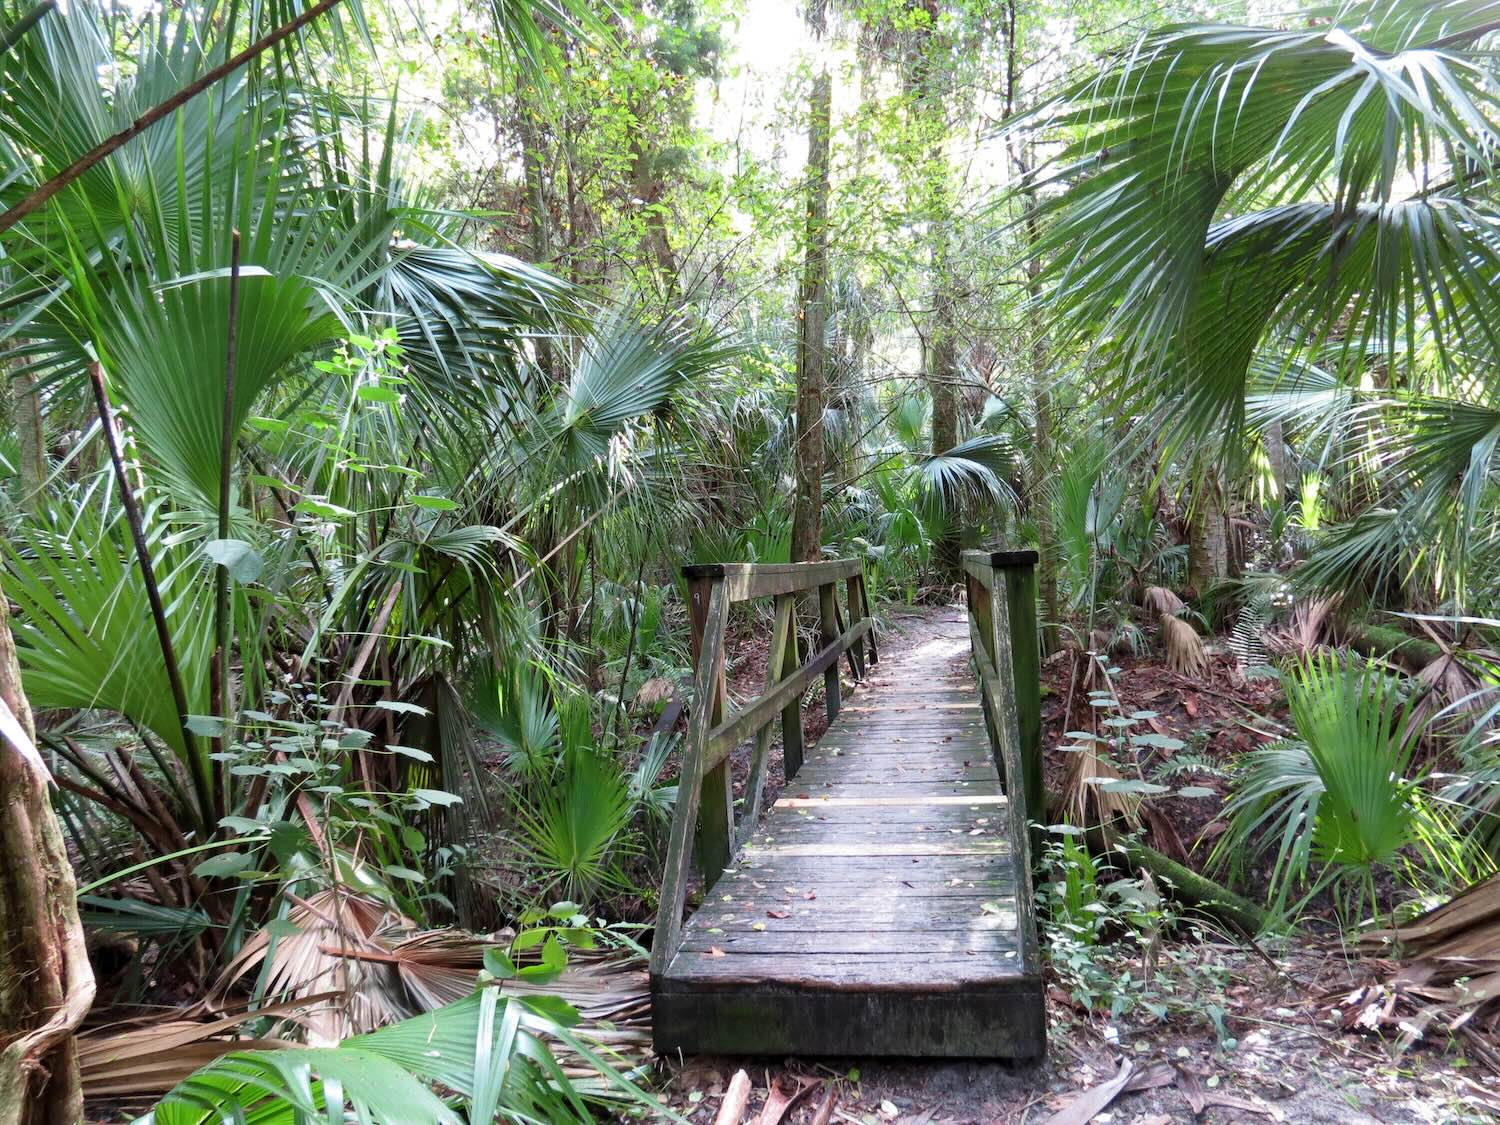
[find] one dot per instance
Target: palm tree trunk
(812, 341)
(33, 442)
(1208, 535)
(46, 983)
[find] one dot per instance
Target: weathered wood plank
(744, 581)
(725, 737)
(993, 1019)
(685, 813)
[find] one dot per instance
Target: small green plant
(1341, 801)
(1103, 940)
(579, 830)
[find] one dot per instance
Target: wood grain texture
(874, 910)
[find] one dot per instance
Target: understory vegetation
(367, 377)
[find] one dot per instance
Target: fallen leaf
(778, 913)
(715, 951)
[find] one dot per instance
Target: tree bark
(1208, 535)
(46, 983)
(942, 383)
(1043, 458)
(539, 226)
(812, 337)
(32, 438)
(1275, 439)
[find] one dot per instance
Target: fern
(1247, 638)
(1189, 763)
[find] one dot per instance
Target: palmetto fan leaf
(979, 467)
(489, 1049)
(1155, 240)
(627, 372)
(81, 632)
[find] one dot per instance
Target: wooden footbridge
(882, 906)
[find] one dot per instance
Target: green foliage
(1342, 801)
(576, 832)
(491, 1051)
(1105, 939)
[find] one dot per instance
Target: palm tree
(1221, 194)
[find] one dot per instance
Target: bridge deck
(874, 910)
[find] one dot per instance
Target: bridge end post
(1018, 569)
(709, 604)
(828, 633)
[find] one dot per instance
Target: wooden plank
(776, 670)
(895, 851)
(877, 908)
(979, 940)
(1001, 1018)
(828, 636)
(1019, 575)
(715, 833)
(856, 614)
(864, 605)
(744, 581)
(893, 970)
(866, 802)
(791, 715)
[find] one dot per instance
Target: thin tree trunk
(33, 441)
(46, 983)
(539, 242)
(942, 383)
(812, 342)
(1275, 438)
(1043, 460)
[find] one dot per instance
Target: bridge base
(995, 1019)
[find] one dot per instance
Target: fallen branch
(1185, 884)
(736, 1098)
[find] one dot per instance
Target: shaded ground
(1284, 1009)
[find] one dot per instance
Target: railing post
(856, 615)
(777, 669)
(716, 809)
(864, 606)
(792, 750)
(1018, 571)
(708, 605)
(828, 632)
(983, 618)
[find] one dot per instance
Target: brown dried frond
(1086, 803)
(1459, 686)
(654, 691)
(1309, 628)
(1185, 653)
(1162, 601)
(335, 926)
(150, 1055)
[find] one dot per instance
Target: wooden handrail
(1003, 635)
(704, 812)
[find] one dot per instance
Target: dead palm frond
(1185, 653)
(334, 946)
(152, 1054)
(1086, 798)
(1162, 601)
(1309, 628)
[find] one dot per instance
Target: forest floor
(1287, 1052)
